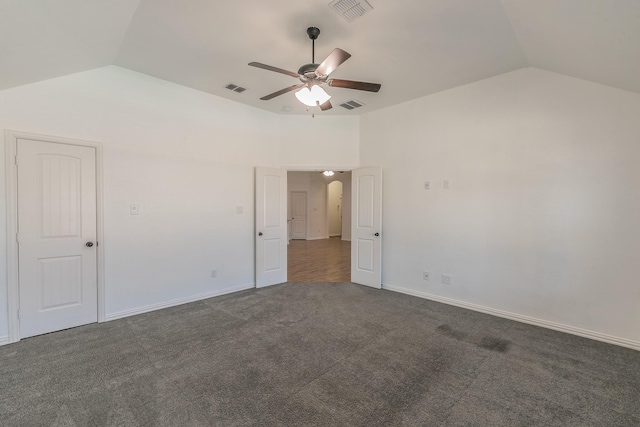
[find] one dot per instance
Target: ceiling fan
(313, 75)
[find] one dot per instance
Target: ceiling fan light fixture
(314, 97)
(304, 96)
(319, 94)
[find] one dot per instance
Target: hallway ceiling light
(327, 173)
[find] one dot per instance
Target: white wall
(320, 142)
(541, 218)
(186, 158)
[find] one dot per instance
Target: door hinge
(18, 314)
(17, 237)
(15, 159)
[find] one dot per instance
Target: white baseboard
(623, 342)
(4, 340)
(179, 301)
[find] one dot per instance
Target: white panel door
(298, 215)
(57, 236)
(271, 226)
(366, 234)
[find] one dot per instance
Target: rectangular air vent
(350, 9)
(352, 105)
(235, 88)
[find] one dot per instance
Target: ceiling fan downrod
(313, 33)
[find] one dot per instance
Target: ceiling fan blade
(276, 69)
(333, 61)
(281, 92)
(326, 106)
(350, 84)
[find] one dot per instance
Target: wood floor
(326, 260)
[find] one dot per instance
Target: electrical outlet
(133, 209)
(446, 279)
(426, 185)
(445, 184)
(425, 275)
(214, 274)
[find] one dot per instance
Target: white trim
(12, 246)
(610, 339)
(179, 301)
(11, 139)
(4, 340)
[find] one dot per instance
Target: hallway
(325, 260)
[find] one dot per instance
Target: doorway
(324, 254)
(273, 210)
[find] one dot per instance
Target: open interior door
(366, 234)
(271, 226)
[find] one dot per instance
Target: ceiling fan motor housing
(313, 32)
(308, 72)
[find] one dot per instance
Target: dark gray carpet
(325, 354)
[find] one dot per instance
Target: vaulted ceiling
(412, 47)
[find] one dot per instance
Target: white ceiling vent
(350, 9)
(351, 105)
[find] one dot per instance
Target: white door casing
(366, 234)
(298, 215)
(271, 226)
(57, 220)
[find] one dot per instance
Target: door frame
(11, 171)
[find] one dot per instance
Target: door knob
(260, 233)
(377, 234)
(89, 244)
